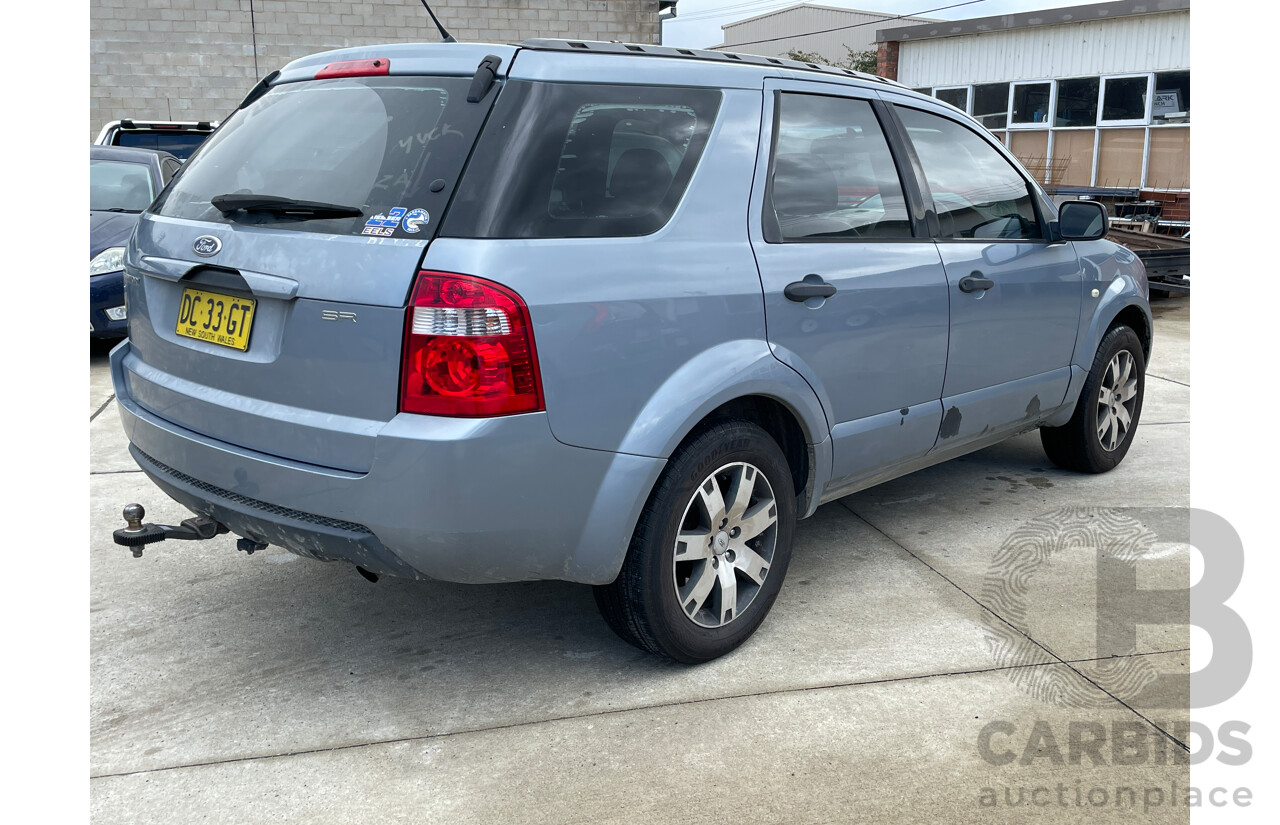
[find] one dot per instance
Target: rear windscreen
(561, 160)
(178, 144)
(391, 147)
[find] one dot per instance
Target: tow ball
(135, 535)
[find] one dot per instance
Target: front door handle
(811, 287)
(975, 282)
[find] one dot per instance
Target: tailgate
(279, 330)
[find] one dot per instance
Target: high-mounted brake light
(468, 350)
(355, 68)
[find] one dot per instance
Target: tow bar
(135, 535)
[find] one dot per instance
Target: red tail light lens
(468, 350)
(355, 68)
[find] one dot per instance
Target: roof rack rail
(614, 47)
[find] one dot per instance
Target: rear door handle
(975, 282)
(811, 287)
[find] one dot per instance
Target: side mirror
(1082, 221)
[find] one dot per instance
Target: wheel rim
(1117, 399)
(725, 546)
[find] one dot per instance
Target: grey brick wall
(195, 59)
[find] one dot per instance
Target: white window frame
(1008, 103)
(1053, 100)
(1147, 100)
(1097, 109)
(968, 95)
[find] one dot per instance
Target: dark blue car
(122, 182)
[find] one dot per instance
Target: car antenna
(448, 38)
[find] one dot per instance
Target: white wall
(1146, 43)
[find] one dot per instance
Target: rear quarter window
(582, 160)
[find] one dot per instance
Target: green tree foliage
(863, 61)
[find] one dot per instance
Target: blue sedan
(122, 182)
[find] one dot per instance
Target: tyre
(710, 550)
(1106, 416)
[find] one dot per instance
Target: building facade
(807, 27)
(1085, 96)
(196, 59)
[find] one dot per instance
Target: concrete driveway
(935, 656)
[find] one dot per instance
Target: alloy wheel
(726, 544)
(1117, 398)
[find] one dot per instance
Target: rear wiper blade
(276, 205)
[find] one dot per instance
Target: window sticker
(415, 220)
(384, 225)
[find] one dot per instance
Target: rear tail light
(468, 350)
(356, 68)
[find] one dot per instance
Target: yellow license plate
(216, 318)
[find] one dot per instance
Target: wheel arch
(740, 379)
(1132, 316)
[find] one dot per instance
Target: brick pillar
(887, 59)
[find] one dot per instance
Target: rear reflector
(468, 350)
(355, 68)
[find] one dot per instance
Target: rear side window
(391, 147)
(832, 177)
(976, 192)
(582, 161)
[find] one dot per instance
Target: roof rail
(614, 47)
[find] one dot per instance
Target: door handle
(811, 287)
(975, 282)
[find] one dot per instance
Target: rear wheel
(710, 550)
(1100, 432)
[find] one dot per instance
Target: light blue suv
(612, 314)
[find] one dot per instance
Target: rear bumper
(465, 500)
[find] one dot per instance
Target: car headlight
(108, 260)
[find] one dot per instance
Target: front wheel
(710, 550)
(1100, 432)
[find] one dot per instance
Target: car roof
(128, 154)
(708, 67)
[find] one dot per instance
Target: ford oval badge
(207, 246)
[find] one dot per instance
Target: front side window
(832, 175)
(119, 186)
(579, 160)
(976, 192)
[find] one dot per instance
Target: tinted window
(179, 144)
(373, 143)
(1172, 103)
(1124, 98)
(1077, 102)
(976, 192)
(582, 160)
(119, 185)
(832, 175)
(991, 105)
(956, 97)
